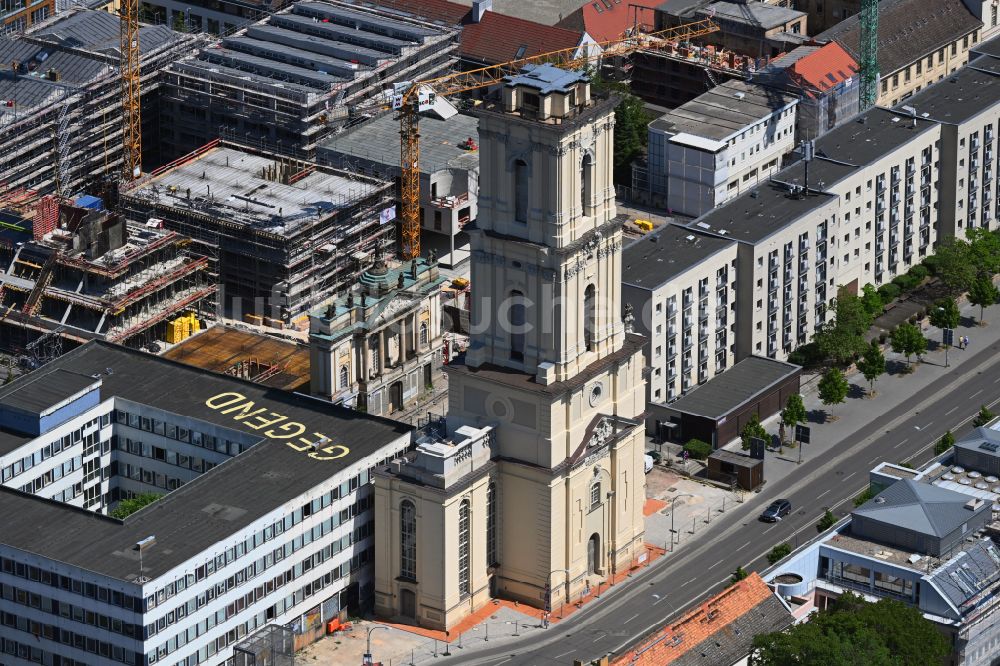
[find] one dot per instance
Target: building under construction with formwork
(285, 83)
(60, 100)
(282, 235)
(88, 274)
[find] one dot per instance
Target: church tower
(552, 382)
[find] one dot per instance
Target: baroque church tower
(540, 480)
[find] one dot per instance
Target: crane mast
(129, 72)
(869, 53)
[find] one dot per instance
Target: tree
(180, 25)
(127, 507)
(826, 522)
(872, 301)
(833, 387)
(907, 340)
(752, 429)
(954, 268)
(698, 449)
(738, 575)
(843, 338)
(872, 365)
(984, 250)
(865, 495)
(983, 417)
(983, 293)
(9, 378)
(851, 631)
(794, 411)
(946, 442)
(944, 313)
(631, 125)
(779, 553)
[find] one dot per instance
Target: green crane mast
(869, 53)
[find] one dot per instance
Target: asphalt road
(631, 611)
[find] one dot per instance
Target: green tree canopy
(946, 442)
(844, 337)
(983, 417)
(983, 293)
(984, 250)
(850, 632)
(954, 267)
(872, 301)
(872, 364)
(779, 553)
(944, 313)
(833, 387)
(794, 411)
(631, 126)
(127, 507)
(826, 522)
(908, 340)
(752, 429)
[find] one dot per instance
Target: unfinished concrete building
(60, 116)
(87, 274)
(287, 82)
(283, 236)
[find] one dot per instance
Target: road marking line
(853, 473)
(688, 582)
(717, 563)
(875, 460)
(743, 546)
(976, 393)
(770, 528)
(824, 493)
(564, 654)
(954, 408)
(630, 619)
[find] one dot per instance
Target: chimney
(479, 9)
(974, 504)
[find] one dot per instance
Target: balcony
(450, 202)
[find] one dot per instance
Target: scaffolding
(273, 645)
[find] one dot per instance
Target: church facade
(534, 487)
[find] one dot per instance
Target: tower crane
(410, 98)
(868, 22)
(129, 72)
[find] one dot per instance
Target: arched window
(517, 325)
(423, 332)
(464, 586)
(595, 495)
(589, 316)
(521, 191)
(344, 378)
(407, 540)
(491, 524)
(586, 183)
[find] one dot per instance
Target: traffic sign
(802, 434)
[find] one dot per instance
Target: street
(906, 432)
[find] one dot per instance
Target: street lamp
(672, 500)
(367, 659)
(945, 339)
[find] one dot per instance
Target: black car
(778, 508)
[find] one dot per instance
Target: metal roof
(726, 392)
(657, 258)
(546, 78)
(972, 90)
(725, 110)
(919, 507)
(967, 574)
(98, 31)
(38, 391)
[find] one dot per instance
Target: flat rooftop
(215, 505)
(666, 253)
(38, 393)
(872, 135)
(726, 392)
(314, 49)
(878, 551)
(377, 140)
(222, 349)
(724, 110)
(759, 15)
(756, 215)
(970, 91)
(228, 184)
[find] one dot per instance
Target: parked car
(776, 511)
(649, 463)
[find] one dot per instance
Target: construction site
(60, 103)
(281, 236)
(287, 82)
(85, 273)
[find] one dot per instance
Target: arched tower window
(491, 524)
(423, 332)
(521, 191)
(589, 316)
(586, 183)
(407, 540)
(595, 495)
(464, 566)
(517, 325)
(344, 378)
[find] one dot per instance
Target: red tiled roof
(824, 68)
(672, 643)
(443, 11)
(499, 38)
(605, 20)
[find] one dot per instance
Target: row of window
(69, 611)
(88, 590)
(170, 431)
(86, 434)
(70, 638)
(35, 655)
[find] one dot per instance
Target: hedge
(698, 449)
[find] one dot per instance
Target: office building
(265, 518)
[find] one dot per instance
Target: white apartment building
(266, 521)
(719, 145)
(681, 286)
(967, 107)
